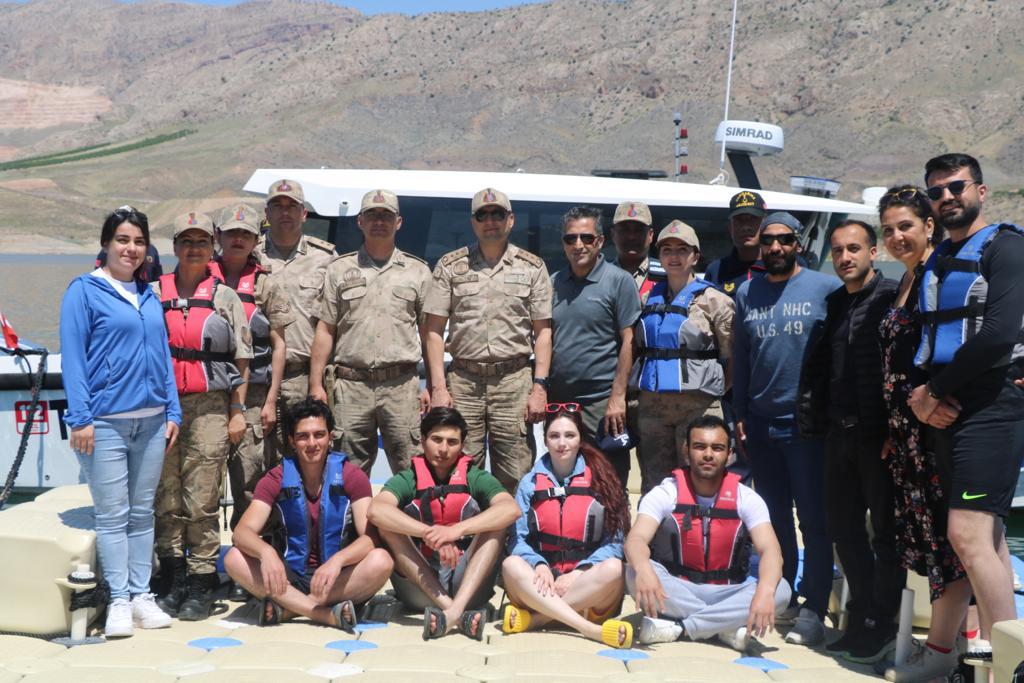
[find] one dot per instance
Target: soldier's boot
(200, 597)
(177, 587)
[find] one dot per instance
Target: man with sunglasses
(594, 309)
(775, 316)
(369, 329)
(496, 300)
(972, 348)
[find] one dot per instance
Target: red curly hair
(605, 482)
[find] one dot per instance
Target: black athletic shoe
(874, 644)
(850, 639)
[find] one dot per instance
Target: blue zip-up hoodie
(115, 359)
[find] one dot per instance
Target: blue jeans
(122, 474)
(790, 469)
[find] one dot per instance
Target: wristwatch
(931, 392)
(542, 381)
(239, 406)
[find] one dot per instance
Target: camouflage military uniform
(664, 416)
(490, 315)
(376, 313)
(251, 457)
(188, 495)
(301, 275)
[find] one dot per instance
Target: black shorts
(979, 456)
(300, 581)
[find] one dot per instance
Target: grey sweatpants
(706, 610)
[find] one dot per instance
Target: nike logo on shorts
(972, 496)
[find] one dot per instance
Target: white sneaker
(808, 629)
(737, 640)
(145, 613)
(119, 619)
(923, 664)
(659, 630)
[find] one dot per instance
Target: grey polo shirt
(587, 318)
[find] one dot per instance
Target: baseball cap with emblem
(490, 197)
(747, 202)
(633, 211)
(193, 220)
(380, 199)
(240, 217)
(286, 188)
(678, 230)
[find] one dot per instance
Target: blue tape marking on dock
(760, 663)
(624, 655)
(349, 646)
(214, 643)
(368, 625)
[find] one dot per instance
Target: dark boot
(200, 597)
(176, 571)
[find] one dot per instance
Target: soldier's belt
(496, 369)
(376, 374)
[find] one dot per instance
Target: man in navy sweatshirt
(775, 315)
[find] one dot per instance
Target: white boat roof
(338, 192)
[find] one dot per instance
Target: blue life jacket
(952, 298)
(675, 354)
(334, 510)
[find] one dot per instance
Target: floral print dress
(920, 505)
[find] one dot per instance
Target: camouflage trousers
(251, 457)
(663, 418)
(361, 408)
(188, 495)
(495, 407)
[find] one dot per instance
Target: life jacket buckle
(558, 491)
(179, 303)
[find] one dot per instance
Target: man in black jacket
(841, 397)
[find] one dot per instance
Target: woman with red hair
(565, 563)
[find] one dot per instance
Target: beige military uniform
(251, 458)
(301, 275)
(376, 311)
(188, 495)
(490, 313)
(664, 416)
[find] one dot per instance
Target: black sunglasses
(955, 187)
(586, 237)
(786, 239)
(497, 214)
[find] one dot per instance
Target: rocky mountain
(866, 90)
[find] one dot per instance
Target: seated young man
(331, 563)
(445, 521)
(689, 550)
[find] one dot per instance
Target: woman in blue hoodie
(122, 411)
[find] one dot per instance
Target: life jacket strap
(949, 264)
(945, 315)
(247, 298)
(565, 544)
(674, 354)
(182, 304)
(562, 492)
(729, 575)
(701, 511)
(180, 353)
(665, 308)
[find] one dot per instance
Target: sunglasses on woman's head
(904, 195)
(587, 238)
(563, 407)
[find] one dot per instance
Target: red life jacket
(681, 548)
(201, 341)
(566, 523)
(446, 504)
(259, 324)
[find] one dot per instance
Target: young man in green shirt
(445, 521)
